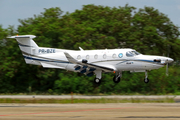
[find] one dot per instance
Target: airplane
(90, 62)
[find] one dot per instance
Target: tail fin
(26, 44)
(28, 47)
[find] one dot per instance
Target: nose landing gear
(117, 77)
(146, 80)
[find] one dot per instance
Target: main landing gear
(146, 80)
(117, 77)
(98, 74)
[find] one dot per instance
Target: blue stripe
(147, 61)
(26, 57)
(23, 45)
(139, 60)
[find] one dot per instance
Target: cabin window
(114, 56)
(87, 57)
(95, 56)
(120, 55)
(78, 57)
(104, 56)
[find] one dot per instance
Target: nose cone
(165, 60)
(169, 60)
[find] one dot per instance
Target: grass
(102, 100)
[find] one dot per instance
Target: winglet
(70, 58)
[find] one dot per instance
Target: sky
(12, 10)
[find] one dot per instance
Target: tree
(94, 27)
(152, 33)
(8, 63)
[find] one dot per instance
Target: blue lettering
(47, 50)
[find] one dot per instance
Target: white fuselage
(113, 58)
(89, 62)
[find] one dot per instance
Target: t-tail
(27, 46)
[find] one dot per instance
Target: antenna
(81, 49)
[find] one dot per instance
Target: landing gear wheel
(116, 79)
(97, 80)
(146, 80)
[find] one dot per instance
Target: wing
(90, 65)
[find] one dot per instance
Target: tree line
(146, 30)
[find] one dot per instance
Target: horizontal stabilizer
(23, 36)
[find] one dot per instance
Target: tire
(146, 80)
(116, 80)
(97, 80)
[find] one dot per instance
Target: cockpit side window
(135, 52)
(132, 53)
(129, 54)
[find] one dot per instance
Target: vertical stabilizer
(27, 44)
(28, 47)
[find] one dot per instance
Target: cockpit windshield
(132, 53)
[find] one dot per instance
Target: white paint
(107, 60)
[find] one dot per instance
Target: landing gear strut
(146, 80)
(97, 80)
(117, 77)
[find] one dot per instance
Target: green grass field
(102, 100)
